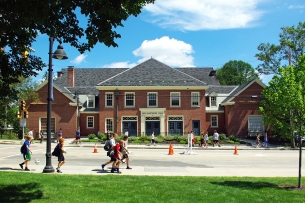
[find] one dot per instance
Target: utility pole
(76, 96)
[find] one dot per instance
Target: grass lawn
(32, 187)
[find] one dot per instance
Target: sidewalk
(187, 170)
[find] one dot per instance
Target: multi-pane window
(90, 121)
(214, 121)
(109, 124)
(91, 101)
(109, 100)
(129, 99)
(213, 101)
(175, 99)
(152, 99)
(195, 99)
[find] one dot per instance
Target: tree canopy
(235, 73)
(291, 47)
(22, 21)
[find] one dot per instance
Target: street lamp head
(60, 53)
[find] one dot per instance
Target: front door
(175, 128)
(151, 126)
(196, 127)
(131, 127)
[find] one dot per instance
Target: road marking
(20, 154)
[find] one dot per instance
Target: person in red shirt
(116, 159)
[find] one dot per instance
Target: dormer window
(91, 101)
(213, 101)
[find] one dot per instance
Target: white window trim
(148, 99)
(192, 97)
(211, 101)
(134, 99)
(109, 93)
(93, 97)
(88, 122)
(216, 116)
(175, 96)
(111, 130)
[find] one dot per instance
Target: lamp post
(76, 96)
(58, 54)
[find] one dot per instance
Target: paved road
(156, 161)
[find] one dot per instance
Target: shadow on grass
(20, 193)
(247, 184)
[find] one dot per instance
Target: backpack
(23, 149)
(56, 151)
(110, 153)
(107, 146)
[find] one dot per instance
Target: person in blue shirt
(27, 153)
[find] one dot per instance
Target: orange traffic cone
(95, 149)
(171, 150)
(235, 151)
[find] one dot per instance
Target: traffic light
(25, 56)
(22, 105)
(25, 114)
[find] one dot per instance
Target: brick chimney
(70, 76)
(59, 74)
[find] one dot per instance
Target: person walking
(216, 139)
(201, 138)
(206, 139)
(125, 153)
(77, 136)
(266, 140)
(27, 153)
(193, 138)
(152, 139)
(61, 151)
(41, 136)
(257, 142)
(30, 133)
(112, 145)
(59, 135)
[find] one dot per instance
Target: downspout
(117, 109)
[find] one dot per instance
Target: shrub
(146, 142)
(182, 142)
(91, 136)
(143, 138)
(184, 138)
(232, 137)
(136, 142)
(242, 142)
(169, 138)
(230, 141)
(101, 136)
(159, 139)
(223, 136)
(132, 138)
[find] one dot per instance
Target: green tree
(291, 47)
(235, 73)
(285, 101)
(26, 90)
(22, 21)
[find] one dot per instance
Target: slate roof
(237, 90)
(152, 73)
(220, 89)
(201, 74)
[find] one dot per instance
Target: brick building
(148, 97)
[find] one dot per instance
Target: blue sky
(193, 33)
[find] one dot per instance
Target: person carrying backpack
(111, 153)
(26, 152)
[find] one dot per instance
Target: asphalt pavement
(165, 171)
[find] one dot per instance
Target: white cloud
(125, 64)
(172, 52)
(296, 7)
(169, 51)
(78, 60)
(204, 14)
